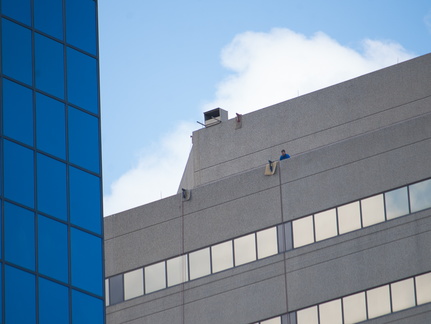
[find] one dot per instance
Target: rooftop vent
(215, 116)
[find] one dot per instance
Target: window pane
(85, 210)
(133, 284)
(20, 296)
(53, 302)
(199, 263)
(17, 9)
(397, 203)
(245, 249)
(177, 270)
(420, 195)
(423, 288)
(155, 277)
(51, 187)
(326, 224)
(330, 312)
(50, 126)
(288, 236)
(303, 232)
(349, 217)
(267, 242)
(86, 309)
(86, 261)
(81, 24)
(48, 17)
(83, 139)
(222, 256)
(372, 210)
(82, 80)
(16, 51)
(53, 249)
(403, 295)
(19, 236)
(378, 302)
(354, 308)
(49, 65)
(307, 316)
(116, 289)
(18, 177)
(17, 112)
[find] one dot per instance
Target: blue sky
(165, 62)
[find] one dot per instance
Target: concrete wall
(305, 123)
(383, 142)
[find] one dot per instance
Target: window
(403, 295)
(372, 210)
(51, 187)
(53, 302)
(155, 277)
(423, 288)
(86, 261)
(86, 309)
(82, 82)
(267, 242)
(85, 200)
(19, 236)
(133, 284)
(222, 256)
(17, 112)
(16, 49)
(378, 302)
(53, 249)
(354, 308)
(326, 224)
(349, 217)
(177, 270)
(330, 312)
(303, 231)
(307, 316)
(245, 249)
(116, 291)
(49, 74)
(397, 203)
(20, 296)
(200, 264)
(420, 195)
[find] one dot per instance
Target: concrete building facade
(338, 233)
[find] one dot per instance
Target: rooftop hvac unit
(215, 116)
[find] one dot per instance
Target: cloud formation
(272, 67)
(156, 175)
(266, 68)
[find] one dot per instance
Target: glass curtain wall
(51, 232)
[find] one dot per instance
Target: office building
(50, 189)
(338, 233)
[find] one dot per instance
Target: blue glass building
(50, 166)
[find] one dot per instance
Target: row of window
(365, 305)
(78, 26)
(50, 66)
(30, 299)
(51, 186)
(264, 243)
(44, 245)
(50, 126)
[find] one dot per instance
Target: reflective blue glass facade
(51, 229)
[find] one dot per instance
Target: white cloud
(266, 68)
(272, 67)
(156, 175)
